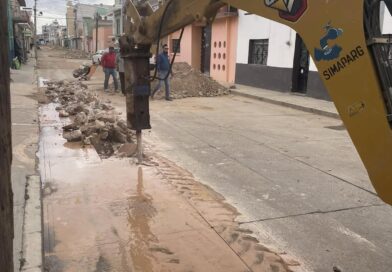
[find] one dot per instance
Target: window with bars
(176, 48)
(258, 51)
(118, 27)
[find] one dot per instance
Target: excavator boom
(344, 41)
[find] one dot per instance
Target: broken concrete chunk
(70, 127)
(123, 125)
(104, 106)
(80, 118)
(102, 147)
(127, 150)
(118, 135)
(73, 136)
(88, 130)
(63, 114)
(99, 124)
(87, 140)
(103, 135)
(106, 117)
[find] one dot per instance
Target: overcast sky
(56, 9)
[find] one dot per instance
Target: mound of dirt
(190, 82)
(71, 54)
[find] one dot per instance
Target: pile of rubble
(71, 54)
(77, 54)
(93, 122)
(189, 82)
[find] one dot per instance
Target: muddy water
(111, 215)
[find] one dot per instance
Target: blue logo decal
(327, 52)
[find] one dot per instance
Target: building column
(11, 52)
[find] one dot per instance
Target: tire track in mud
(221, 216)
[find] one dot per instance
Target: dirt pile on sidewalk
(77, 54)
(93, 122)
(70, 54)
(189, 82)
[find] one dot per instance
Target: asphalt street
(295, 178)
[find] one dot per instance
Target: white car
(98, 56)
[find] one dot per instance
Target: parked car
(96, 58)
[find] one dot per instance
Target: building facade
(210, 48)
(70, 19)
(274, 57)
(105, 35)
(54, 34)
(246, 49)
(19, 30)
(267, 54)
(86, 17)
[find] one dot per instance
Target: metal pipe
(121, 19)
(35, 29)
(96, 32)
(139, 146)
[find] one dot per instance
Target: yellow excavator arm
(343, 38)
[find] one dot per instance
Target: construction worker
(163, 65)
(121, 72)
(108, 63)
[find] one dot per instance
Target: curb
(32, 228)
(287, 104)
(33, 235)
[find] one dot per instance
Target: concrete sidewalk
(292, 100)
(25, 182)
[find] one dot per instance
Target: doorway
(206, 49)
(300, 67)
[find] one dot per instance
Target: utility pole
(75, 25)
(96, 31)
(121, 19)
(35, 29)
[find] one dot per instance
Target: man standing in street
(121, 71)
(108, 62)
(163, 66)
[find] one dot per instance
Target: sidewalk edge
(287, 104)
(33, 235)
(32, 229)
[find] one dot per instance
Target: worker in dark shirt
(163, 66)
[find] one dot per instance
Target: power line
(58, 18)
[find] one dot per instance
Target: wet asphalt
(295, 177)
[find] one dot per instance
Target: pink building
(212, 49)
(105, 35)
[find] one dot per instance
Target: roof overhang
(22, 3)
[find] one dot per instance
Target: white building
(118, 25)
(53, 33)
(267, 56)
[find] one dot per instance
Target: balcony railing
(227, 11)
(20, 16)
